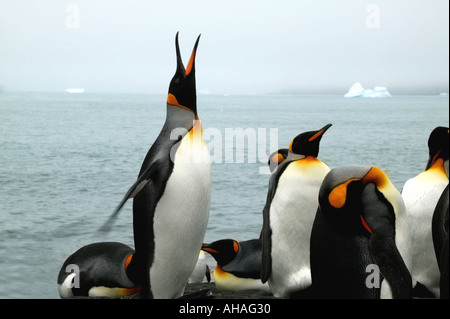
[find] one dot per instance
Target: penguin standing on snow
(358, 236)
(171, 198)
(421, 195)
(289, 213)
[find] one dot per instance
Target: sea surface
(66, 160)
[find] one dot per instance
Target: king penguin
(97, 270)
(238, 264)
(289, 213)
(421, 195)
(170, 211)
(171, 197)
(356, 237)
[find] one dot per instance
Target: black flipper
(141, 182)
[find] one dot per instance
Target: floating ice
(74, 90)
(357, 90)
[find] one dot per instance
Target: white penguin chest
(292, 214)
(181, 217)
(294, 205)
(421, 195)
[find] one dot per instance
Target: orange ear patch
(235, 246)
(290, 145)
(338, 195)
(277, 158)
(377, 176)
(172, 100)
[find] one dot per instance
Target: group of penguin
(345, 232)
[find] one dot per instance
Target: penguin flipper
(141, 182)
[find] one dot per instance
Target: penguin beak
(320, 132)
(191, 64)
(181, 71)
(205, 247)
(379, 220)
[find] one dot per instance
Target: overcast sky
(257, 46)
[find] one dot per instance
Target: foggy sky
(257, 46)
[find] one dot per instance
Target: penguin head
(223, 251)
(362, 202)
(276, 158)
(307, 143)
(438, 144)
(344, 197)
(340, 197)
(182, 90)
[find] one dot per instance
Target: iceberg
(357, 90)
(75, 90)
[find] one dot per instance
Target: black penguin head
(223, 251)
(438, 144)
(308, 143)
(276, 158)
(182, 91)
(342, 196)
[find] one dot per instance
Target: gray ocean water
(66, 160)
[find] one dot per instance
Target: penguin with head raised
(238, 264)
(289, 213)
(171, 197)
(170, 210)
(356, 235)
(421, 194)
(97, 270)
